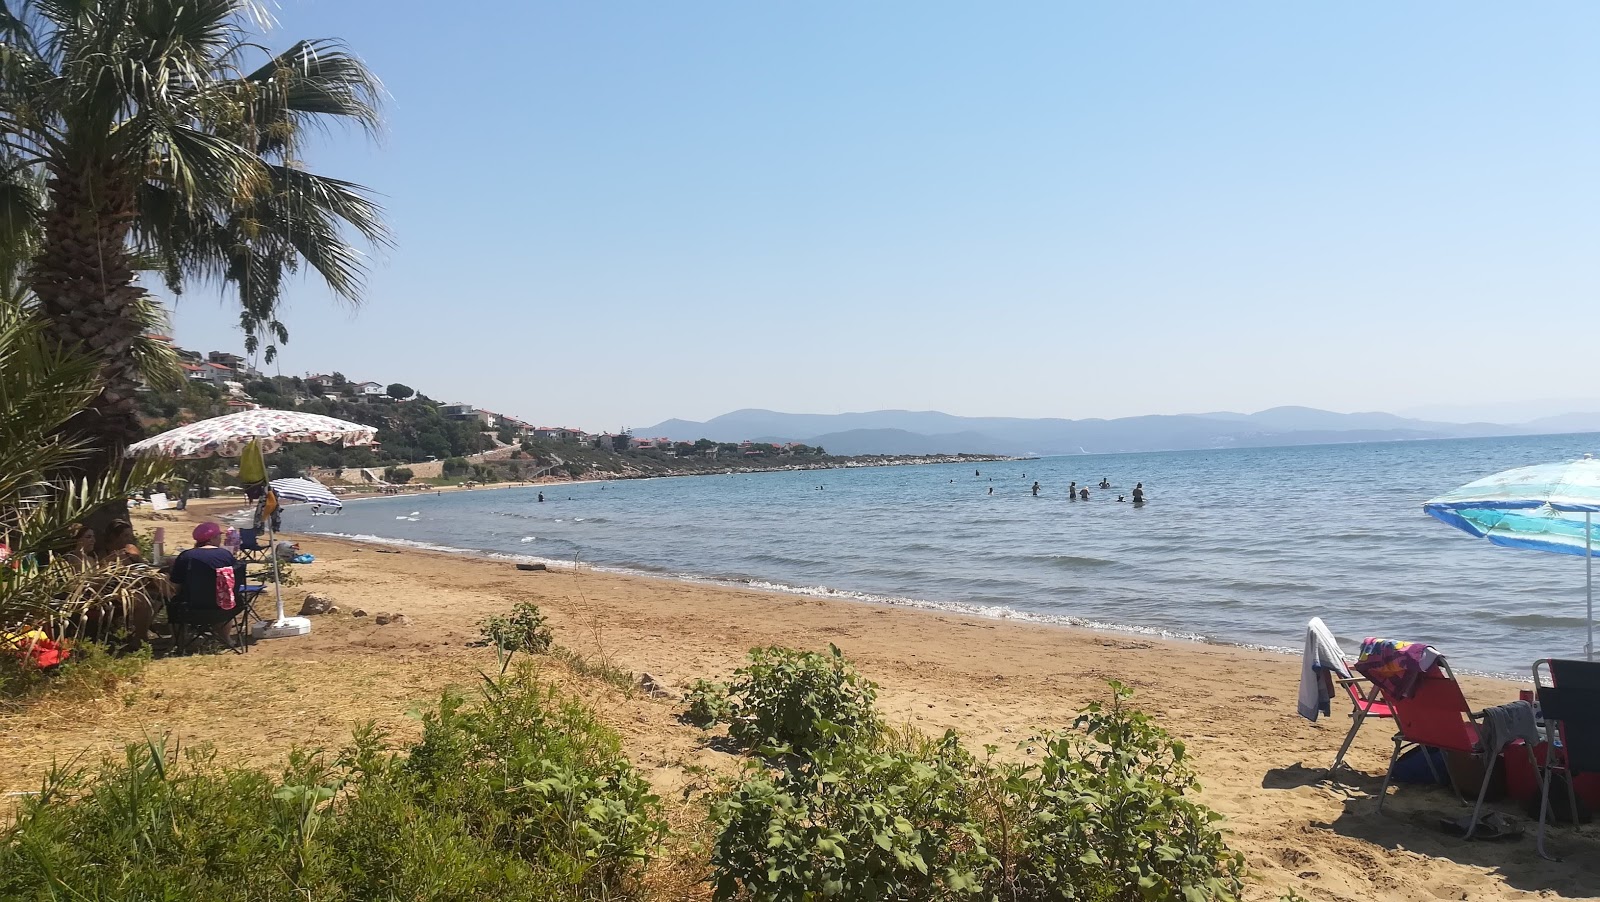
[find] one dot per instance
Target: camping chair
(1437, 716)
(250, 547)
(1366, 702)
(193, 618)
(1571, 706)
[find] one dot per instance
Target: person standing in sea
(1072, 491)
(1036, 489)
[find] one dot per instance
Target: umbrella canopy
(227, 436)
(306, 491)
(1548, 507)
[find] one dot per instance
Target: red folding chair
(1437, 716)
(1365, 702)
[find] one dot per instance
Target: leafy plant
(856, 823)
(522, 630)
(537, 775)
(1106, 815)
(523, 798)
(707, 704)
(802, 702)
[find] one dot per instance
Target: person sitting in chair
(207, 578)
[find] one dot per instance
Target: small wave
(1066, 561)
(1541, 620)
(526, 539)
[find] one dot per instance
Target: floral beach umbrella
(1548, 507)
(269, 430)
(227, 436)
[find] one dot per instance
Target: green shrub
(522, 630)
(1105, 815)
(855, 823)
(537, 775)
(707, 704)
(522, 798)
(802, 702)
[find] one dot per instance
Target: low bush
(855, 823)
(521, 798)
(1106, 814)
(524, 630)
(706, 704)
(537, 775)
(801, 702)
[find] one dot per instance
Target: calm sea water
(1238, 546)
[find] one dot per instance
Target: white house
(368, 389)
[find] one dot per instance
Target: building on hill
(238, 367)
(458, 411)
(369, 389)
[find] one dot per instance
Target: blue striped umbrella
(1548, 507)
(308, 491)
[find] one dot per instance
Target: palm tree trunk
(84, 279)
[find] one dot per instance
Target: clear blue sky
(613, 213)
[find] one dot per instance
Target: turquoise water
(1237, 546)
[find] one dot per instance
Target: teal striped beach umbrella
(1548, 507)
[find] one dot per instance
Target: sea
(1238, 546)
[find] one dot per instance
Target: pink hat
(205, 532)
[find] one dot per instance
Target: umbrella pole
(277, 584)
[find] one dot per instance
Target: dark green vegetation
(521, 796)
(840, 807)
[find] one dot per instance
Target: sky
(609, 214)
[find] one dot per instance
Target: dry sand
(994, 681)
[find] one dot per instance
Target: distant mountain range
(931, 432)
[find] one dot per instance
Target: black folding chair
(193, 619)
(250, 547)
(1570, 703)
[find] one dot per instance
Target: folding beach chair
(250, 547)
(1570, 702)
(1437, 716)
(1366, 701)
(193, 618)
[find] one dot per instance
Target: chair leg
(1488, 774)
(1383, 793)
(1544, 804)
(1359, 716)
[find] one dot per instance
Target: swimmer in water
(1105, 483)
(991, 490)
(1083, 494)
(1036, 490)
(976, 473)
(541, 497)
(1138, 493)
(1120, 499)
(1072, 492)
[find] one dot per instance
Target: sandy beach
(993, 681)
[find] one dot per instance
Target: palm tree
(156, 145)
(42, 386)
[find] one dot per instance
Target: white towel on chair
(1322, 657)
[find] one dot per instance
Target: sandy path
(994, 681)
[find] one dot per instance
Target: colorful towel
(225, 588)
(1395, 667)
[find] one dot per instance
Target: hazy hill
(930, 432)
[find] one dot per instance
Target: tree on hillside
(399, 391)
(155, 142)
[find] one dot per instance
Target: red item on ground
(1523, 784)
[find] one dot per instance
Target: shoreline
(769, 587)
